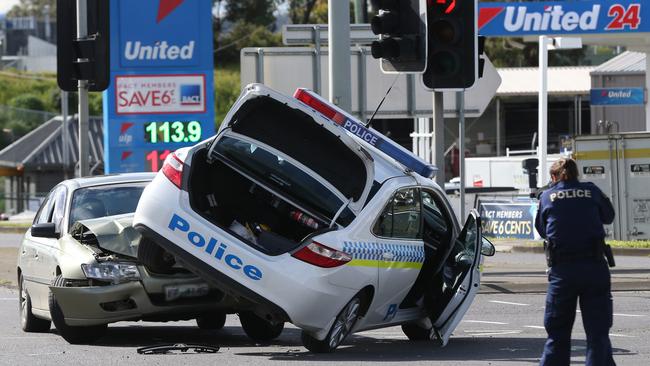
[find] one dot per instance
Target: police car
(302, 214)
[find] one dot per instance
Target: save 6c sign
(564, 17)
(154, 94)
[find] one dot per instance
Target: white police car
(303, 215)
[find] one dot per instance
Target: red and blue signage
(161, 93)
(563, 18)
(618, 96)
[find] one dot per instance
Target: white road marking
(484, 322)
(621, 335)
(509, 303)
(45, 354)
(534, 326)
(8, 298)
(496, 333)
(630, 315)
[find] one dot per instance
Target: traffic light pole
(438, 148)
(82, 32)
(460, 106)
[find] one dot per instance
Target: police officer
(570, 217)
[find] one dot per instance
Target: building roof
(626, 63)
(561, 81)
(42, 148)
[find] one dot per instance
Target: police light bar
(369, 136)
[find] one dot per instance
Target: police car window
(283, 176)
(436, 223)
(401, 216)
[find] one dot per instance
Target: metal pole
(498, 118)
(438, 148)
(82, 32)
(460, 104)
(317, 65)
(647, 87)
(64, 133)
(542, 127)
(339, 54)
(359, 11)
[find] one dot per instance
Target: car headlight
(111, 271)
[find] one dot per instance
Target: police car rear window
(296, 134)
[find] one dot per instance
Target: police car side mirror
(487, 248)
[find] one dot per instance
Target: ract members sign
(563, 17)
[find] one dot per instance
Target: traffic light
(401, 26)
(87, 58)
(452, 61)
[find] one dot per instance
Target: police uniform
(571, 216)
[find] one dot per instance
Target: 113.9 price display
(178, 131)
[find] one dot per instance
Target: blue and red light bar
(370, 136)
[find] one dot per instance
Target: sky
(5, 5)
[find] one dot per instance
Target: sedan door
(461, 280)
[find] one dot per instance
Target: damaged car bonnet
(113, 233)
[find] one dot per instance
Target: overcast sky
(5, 5)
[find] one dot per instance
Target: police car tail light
(173, 169)
(322, 256)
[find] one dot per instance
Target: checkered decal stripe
(375, 251)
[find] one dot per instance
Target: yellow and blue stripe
(371, 254)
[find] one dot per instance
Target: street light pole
(339, 54)
(542, 119)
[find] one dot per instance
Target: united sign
(563, 17)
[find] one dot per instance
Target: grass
(14, 224)
(637, 244)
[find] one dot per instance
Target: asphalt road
(10, 240)
(499, 329)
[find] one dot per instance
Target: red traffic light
(449, 5)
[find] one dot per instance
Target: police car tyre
(341, 328)
(259, 329)
(155, 258)
(415, 332)
(72, 334)
(212, 321)
(28, 322)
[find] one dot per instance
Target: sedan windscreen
(107, 200)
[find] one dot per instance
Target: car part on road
(155, 258)
(169, 348)
(415, 332)
(72, 334)
(341, 328)
(259, 329)
(28, 321)
(212, 321)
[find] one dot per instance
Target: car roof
(98, 180)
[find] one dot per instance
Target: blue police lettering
(571, 193)
(198, 240)
(360, 131)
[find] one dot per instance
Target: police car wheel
(72, 334)
(212, 321)
(342, 327)
(155, 258)
(415, 332)
(28, 322)
(259, 329)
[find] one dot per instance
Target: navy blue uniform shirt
(571, 214)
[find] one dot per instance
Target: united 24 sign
(564, 17)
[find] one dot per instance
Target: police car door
(461, 280)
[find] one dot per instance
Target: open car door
(461, 280)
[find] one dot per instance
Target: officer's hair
(565, 169)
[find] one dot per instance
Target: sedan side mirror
(46, 230)
(487, 248)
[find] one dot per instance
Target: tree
(300, 10)
(32, 8)
(259, 12)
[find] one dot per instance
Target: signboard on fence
(161, 95)
(518, 19)
(509, 220)
(618, 96)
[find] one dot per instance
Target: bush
(27, 101)
(228, 47)
(226, 90)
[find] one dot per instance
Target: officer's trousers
(586, 280)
